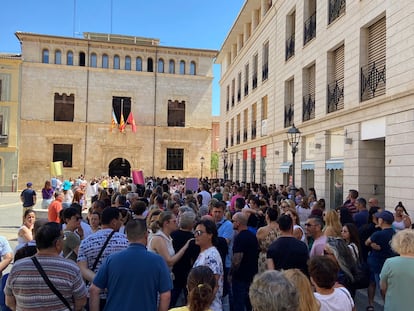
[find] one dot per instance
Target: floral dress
(264, 245)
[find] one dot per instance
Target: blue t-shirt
(361, 218)
(225, 230)
(134, 277)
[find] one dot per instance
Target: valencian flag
(131, 121)
(122, 124)
(114, 123)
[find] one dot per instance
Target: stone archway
(119, 167)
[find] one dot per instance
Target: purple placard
(191, 184)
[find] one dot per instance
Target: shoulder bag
(49, 283)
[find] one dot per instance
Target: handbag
(361, 273)
(50, 284)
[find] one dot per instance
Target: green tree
(214, 164)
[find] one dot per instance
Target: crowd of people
(223, 246)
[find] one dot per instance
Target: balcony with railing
(335, 95)
(336, 9)
(245, 135)
(308, 107)
(309, 31)
(254, 129)
(290, 47)
(265, 71)
(373, 80)
(289, 115)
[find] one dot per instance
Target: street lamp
(224, 155)
(293, 136)
(202, 164)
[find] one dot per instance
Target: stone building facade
(9, 116)
(73, 92)
(342, 73)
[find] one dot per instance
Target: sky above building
(180, 23)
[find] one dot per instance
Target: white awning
(334, 164)
(285, 167)
(308, 166)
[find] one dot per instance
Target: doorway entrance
(119, 167)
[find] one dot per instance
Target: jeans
(241, 301)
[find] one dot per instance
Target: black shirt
(289, 253)
(246, 242)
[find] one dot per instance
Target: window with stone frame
(123, 104)
(176, 113)
(63, 152)
(1, 90)
(175, 159)
(64, 107)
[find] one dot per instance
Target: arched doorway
(119, 167)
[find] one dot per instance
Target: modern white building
(342, 72)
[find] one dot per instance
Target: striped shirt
(32, 293)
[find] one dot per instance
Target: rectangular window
(232, 132)
(289, 100)
(265, 62)
(176, 113)
(64, 107)
(228, 98)
(175, 159)
(245, 118)
(238, 129)
(4, 127)
(254, 120)
(335, 90)
(62, 152)
(308, 109)
(336, 9)
(264, 116)
(290, 35)
(1, 90)
(309, 27)
(233, 90)
(373, 74)
(227, 134)
(239, 79)
(255, 69)
(121, 104)
(246, 80)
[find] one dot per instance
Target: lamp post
(224, 155)
(293, 136)
(202, 164)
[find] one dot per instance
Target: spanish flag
(114, 123)
(131, 121)
(122, 124)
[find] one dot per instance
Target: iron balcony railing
(308, 107)
(289, 114)
(290, 46)
(373, 80)
(335, 95)
(336, 9)
(309, 31)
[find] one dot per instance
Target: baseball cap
(387, 216)
(29, 184)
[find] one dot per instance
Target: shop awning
(285, 166)
(308, 166)
(334, 164)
